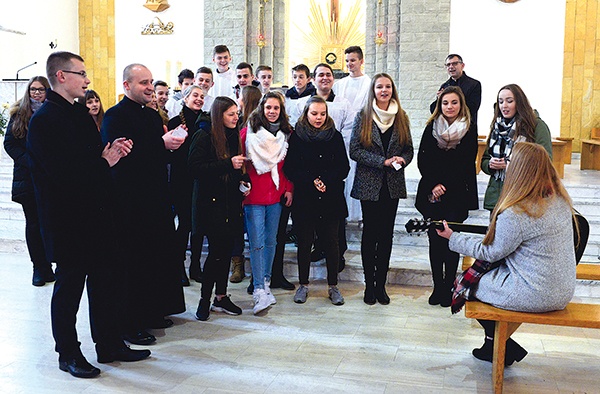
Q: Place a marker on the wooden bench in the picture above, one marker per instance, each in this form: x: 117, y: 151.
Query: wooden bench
x: 481, y: 146
x: 585, y: 271
x: 590, y: 155
x: 558, y: 156
x: 507, y: 322
x: 568, y: 151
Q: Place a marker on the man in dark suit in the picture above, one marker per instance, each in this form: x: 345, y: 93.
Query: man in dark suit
x: 70, y: 171
x: 471, y: 87
x: 152, y: 262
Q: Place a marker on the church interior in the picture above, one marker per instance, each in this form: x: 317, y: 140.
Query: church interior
x: 551, y: 49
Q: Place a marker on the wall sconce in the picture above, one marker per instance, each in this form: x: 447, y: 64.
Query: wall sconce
x: 379, y: 35
x: 261, y: 42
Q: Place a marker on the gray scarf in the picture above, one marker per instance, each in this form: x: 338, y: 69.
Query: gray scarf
x: 310, y: 134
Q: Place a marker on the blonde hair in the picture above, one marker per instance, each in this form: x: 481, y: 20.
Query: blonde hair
x: 464, y: 112
x: 530, y: 185
x: 401, y: 123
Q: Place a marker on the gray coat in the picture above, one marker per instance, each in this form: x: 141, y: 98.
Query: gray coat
x: 369, y: 164
x: 538, y: 274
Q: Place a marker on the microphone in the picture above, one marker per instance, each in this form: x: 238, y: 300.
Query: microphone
x: 23, y: 68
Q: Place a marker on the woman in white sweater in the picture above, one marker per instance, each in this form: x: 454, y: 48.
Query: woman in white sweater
x: 530, y: 239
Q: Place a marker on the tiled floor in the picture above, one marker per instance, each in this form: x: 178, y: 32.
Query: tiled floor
x: 405, y: 347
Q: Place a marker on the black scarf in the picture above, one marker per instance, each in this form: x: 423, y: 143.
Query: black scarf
x: 310, y: 134
x: 502, y: 141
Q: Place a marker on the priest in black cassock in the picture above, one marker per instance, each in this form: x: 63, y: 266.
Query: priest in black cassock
x: 144, y: 212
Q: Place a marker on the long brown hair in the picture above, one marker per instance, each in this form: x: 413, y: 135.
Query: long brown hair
x: 251, y: 96
x: 401, y: 123
x: 530, y: 182
x: 258, y: 119
x: 218, y: 136
x: 21, y: 111
x: 525, y: 117
x: 464, y: 112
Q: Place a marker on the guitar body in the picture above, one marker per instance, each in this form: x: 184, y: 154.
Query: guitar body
x: 416, y: 226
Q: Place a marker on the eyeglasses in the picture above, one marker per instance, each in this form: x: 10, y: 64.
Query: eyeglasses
x: 453, y: 64
x: 82, y: 73
x: 37, y: 90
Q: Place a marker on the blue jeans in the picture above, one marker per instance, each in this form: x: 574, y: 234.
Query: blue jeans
x: 262, y: 222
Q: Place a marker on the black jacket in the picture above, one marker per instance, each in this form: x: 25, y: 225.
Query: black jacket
x: 471, y: 88
x: 22, y: 185
x: 71, y: 179
x: 453, y: 168
x: 217, y: 199
x: 306, y: 161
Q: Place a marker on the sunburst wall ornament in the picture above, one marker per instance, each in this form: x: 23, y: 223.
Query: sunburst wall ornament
x: 330, y: 33
x: 157, y: 5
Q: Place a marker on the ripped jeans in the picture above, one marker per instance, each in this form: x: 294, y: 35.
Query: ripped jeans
x: 262, y: 222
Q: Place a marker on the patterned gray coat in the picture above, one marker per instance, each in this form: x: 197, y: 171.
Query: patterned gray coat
x: 538, y: 274
x: 369, y: 164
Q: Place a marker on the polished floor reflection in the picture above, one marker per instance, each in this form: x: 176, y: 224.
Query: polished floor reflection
x: 405, y: 347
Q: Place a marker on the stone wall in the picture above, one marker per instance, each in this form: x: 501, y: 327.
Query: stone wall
x: 417, y: 41
x: 235, y: 23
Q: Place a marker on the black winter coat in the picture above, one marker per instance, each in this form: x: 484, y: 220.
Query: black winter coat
x: 306, y: 161
x: 453, y: 168
x: 217, y: 198
x: 22, y: 185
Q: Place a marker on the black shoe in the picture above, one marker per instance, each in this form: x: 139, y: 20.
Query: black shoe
x: 435, y: 297
x: 48, y: 275
x: 225, y: 305
x: 317, y: 255
x: 250, y: 288
x: 282, y: 283
x: 369, y: 297
x: 160, y: 323
x: 446, y: 299
x: 141, y: 337
x: 381, y: 295
x: 79, y: 367
x: 120, y: 353
x: 291, y: 238
x: 203, y: 311
x: 38, y: 278
x: 342, y: 264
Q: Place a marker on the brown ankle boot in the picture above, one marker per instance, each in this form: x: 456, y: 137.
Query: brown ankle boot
x: 237, y: 269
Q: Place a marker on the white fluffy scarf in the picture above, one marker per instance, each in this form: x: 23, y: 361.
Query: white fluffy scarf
x: 449, y: 136
x: 265, y: 150
x: 382, y: 118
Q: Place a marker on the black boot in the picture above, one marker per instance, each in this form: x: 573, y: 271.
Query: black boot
x: 485, y: 352
x: 278, y: 280
x: 369, y: 297
x: 514, y: 352
x: 380, y: 279
x: 203, y: 311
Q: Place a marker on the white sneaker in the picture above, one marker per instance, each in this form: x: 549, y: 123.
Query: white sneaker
x: 270, y: 295
x: 261, y: 301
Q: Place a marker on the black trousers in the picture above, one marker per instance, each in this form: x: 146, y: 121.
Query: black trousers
x: 277, y: 272
x: 182, y: 207
x: 443, y: 261
x: 216, y: 266
x: 378, y: 231
x: 326, y: 230
x: 104, y: 299
x: 342, y: 243
x: 33, y: 235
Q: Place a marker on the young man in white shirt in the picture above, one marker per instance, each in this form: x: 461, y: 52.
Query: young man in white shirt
x: 224, y: 79
x: 204, y: 79
x: 174, y: 104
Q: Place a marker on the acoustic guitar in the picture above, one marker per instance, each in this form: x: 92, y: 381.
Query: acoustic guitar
x: 417, y: 226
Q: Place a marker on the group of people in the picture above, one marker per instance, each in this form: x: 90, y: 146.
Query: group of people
x: 100, y: 192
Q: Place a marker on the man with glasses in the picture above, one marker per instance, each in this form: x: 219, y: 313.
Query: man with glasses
x: 471, y: 87
x: 70, y: 169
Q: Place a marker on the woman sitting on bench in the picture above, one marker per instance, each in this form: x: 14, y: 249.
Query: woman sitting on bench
x: 530, y: 238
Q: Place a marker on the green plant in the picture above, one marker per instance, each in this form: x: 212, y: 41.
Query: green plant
x: 3, y: 119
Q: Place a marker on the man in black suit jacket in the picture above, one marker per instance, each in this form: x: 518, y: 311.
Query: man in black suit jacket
x: 471, y: 87
x: 70, y: 172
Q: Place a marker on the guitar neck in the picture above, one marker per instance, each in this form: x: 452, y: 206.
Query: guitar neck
x: 461, y: 227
